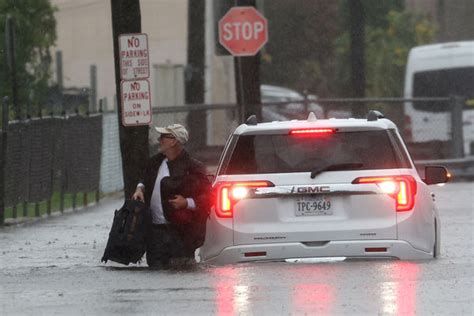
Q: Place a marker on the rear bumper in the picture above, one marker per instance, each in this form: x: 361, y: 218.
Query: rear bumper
x: 353, y: 248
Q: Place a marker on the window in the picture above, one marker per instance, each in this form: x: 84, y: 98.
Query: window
x: 443, y: 83
x: 284, y: 153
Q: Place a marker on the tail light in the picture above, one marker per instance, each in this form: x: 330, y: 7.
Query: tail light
x: 229, y: 193
x: 401, y: 188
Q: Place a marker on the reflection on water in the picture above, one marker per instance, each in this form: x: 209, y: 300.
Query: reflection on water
x: 233, y: 296
x: 398, y: 296
x: 316, y: 295
x: 406, y: 288
x: 225, y: 284
x: 317, y: 289
x: 313, y: 298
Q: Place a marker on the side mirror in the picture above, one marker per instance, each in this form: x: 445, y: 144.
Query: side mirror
x: 436, y: 174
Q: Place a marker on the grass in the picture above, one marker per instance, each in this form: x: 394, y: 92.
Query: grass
x: 31, y: 208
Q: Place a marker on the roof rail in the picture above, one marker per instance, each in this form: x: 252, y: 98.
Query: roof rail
x: 374, y: 115
x: 252, y: 120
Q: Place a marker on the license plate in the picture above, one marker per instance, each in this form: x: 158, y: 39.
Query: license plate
x: 313, y: 206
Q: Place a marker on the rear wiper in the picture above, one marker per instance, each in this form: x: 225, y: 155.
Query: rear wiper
x: 334, y: 167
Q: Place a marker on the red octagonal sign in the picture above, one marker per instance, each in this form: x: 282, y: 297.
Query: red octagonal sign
x: 243, y: 31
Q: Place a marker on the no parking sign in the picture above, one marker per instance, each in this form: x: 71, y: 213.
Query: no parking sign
x: 136, y: 102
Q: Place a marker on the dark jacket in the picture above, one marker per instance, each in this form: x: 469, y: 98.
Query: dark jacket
x: 187, y: 178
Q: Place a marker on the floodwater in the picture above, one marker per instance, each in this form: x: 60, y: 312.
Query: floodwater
x: 53, y: 267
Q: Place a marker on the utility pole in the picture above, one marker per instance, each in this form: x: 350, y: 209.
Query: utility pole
x: 357, y: 31
x: 126, y: 19
x: 208, y: 66
x: 247, y: 79
x: 194, y: 74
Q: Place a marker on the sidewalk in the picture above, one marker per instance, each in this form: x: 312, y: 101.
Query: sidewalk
x: 72, y: 238
x: 53, y: 266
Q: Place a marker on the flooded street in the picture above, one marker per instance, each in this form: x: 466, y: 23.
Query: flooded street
x: 53, y: 267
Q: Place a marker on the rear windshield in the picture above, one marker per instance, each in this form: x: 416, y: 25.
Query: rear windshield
x: 284, y: 153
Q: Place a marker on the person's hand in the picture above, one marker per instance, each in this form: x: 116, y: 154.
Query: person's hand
x: 179, y: 202
x: 138, y: 195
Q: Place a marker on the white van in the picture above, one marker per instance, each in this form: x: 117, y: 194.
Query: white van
x: 439, y: 70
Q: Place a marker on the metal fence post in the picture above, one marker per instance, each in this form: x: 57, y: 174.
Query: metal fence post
x: 3, y: 155
x: 93, y: 90
x: 457, y: 137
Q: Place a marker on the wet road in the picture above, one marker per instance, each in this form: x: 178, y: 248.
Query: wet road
x: 53, y: 267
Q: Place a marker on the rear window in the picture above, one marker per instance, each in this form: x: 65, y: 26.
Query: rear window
x: 284, y: 153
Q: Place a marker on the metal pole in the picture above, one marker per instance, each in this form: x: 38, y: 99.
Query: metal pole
x: 10, y: 39
x: 59, y: 78
x: 74, y: 201
x: 241, y: 91
x: 85, y: 201
x: 59, y: 69
x: 3, y: 155
x: 457, y: 138
x: 248, y: 76
x: 93, y: 89
x: 208, y: 67
x: 37, y: 209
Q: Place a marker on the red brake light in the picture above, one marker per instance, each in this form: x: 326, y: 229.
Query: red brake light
x: 312, y: 131
x: 404, y: 196
x: 229, y: 193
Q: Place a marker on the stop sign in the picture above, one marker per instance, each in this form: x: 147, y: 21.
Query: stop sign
x: 243, y: 31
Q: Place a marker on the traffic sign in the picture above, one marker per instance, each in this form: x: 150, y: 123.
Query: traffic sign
x: 136, y: 102
x: 243, y: 31
x: 134, y: 60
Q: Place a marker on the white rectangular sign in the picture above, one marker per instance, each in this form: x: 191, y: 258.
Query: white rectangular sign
x: 134, y: 60
x: 136, y: 102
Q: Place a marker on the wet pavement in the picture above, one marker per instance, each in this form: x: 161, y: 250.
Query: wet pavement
x: 53, y: 267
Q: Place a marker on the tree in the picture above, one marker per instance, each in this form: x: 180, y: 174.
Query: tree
x: 35, y: 27
x: 300, y: 51
x: 390, y: 33
x: 388, y: 50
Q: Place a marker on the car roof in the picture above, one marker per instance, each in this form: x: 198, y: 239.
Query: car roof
x: 350, y: 124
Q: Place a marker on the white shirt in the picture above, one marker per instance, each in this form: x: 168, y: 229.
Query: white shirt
x: 156, y: 205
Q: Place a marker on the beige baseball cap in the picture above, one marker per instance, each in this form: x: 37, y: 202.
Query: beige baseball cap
x: 177, y: 130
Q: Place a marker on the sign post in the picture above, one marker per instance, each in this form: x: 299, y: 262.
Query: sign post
x: 243, y: 31
x: 134, y: 85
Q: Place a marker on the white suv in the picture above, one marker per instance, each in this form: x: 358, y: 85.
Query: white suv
x: 321, y: 188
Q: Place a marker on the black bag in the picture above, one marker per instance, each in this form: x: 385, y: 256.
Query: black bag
x: 127, y: 236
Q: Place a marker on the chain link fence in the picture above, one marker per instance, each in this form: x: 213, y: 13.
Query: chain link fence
x: 111, y: 176
x: 429, y: 134
x: 41, y: 156
x: 74, y: 154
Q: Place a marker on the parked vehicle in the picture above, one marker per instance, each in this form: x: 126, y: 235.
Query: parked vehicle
x: 321, y: 188
x: 439, y: 70
x: 282, y: 104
